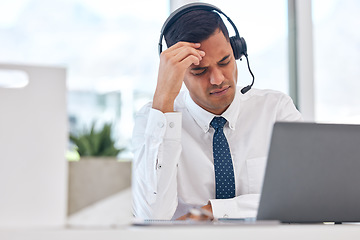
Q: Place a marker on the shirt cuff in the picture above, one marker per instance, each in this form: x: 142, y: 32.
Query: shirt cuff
x: 162, y: 125
x: 223, y: 208
x: 173, y: 128
x: 244, y: 206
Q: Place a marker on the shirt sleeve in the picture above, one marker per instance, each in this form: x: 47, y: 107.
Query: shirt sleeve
x: 157, y: 147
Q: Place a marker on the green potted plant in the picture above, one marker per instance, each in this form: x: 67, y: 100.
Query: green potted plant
x: 94, y: 177
x: 96, y: 143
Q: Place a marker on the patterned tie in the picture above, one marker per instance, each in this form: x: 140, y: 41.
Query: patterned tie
x: 224, y: 172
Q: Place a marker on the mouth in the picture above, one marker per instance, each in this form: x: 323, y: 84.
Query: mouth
x: 219, y: 92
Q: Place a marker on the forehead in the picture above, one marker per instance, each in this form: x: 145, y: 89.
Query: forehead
x: 216, y: 47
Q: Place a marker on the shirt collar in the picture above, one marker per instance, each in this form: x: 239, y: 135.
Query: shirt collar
x: 203, y: 117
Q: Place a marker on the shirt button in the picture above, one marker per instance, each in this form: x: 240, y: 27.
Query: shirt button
x: 160, y: 124
x: 159, y: 166
x: 171, y: 124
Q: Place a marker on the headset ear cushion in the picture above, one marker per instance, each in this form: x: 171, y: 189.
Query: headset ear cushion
x: 239, y: 47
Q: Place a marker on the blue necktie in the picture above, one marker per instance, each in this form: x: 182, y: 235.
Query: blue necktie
x: 224, y: 172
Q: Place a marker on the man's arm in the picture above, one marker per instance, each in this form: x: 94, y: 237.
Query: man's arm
x: 157, y: 149
x: 157, y: 137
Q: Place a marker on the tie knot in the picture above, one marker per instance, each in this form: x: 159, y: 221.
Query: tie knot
x: 218, y: 122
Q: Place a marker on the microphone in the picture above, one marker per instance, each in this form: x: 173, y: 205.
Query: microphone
x: 248, y: 87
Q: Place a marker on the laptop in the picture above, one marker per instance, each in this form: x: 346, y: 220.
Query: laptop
x: 312, y: 174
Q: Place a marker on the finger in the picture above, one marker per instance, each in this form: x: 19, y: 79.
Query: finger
x: 181, y: 50
x: 182, y: 60
x: 188, y: 56
x: 184, y: 217
x: 189, y: 60
x: 179, y: 54
x: 198, y: 215
x: 182, y: 44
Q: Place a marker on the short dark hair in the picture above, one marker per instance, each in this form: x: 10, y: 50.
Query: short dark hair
x: 195, y: 26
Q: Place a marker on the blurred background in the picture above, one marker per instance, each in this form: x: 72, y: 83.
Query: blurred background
x: 109, y: 49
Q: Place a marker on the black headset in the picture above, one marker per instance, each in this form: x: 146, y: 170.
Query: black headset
x: 238, y: 43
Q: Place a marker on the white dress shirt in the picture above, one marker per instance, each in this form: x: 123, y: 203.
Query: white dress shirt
x: 173, y: 166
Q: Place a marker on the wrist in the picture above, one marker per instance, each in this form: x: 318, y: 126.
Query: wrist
x: 163, y: 103
x: 207, y: 207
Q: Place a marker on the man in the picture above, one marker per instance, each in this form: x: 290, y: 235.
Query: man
x: 175, y: 140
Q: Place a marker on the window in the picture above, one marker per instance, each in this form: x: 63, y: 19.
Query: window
x: 108, y: 47
x: 337, y: 60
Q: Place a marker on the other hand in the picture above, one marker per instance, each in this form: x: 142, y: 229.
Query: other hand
x: 203, y: 214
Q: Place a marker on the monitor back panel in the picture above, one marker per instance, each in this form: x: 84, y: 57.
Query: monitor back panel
x: 33, y: 140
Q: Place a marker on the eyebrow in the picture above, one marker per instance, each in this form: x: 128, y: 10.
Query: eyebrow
x: 202, y: 68
x: 224, y: 58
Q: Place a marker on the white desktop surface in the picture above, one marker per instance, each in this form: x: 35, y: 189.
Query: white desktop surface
x: 293, y: 231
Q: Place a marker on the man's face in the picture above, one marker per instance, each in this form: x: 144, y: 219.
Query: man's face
x: 212, y: 83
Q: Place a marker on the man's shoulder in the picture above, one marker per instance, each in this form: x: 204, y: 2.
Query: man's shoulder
x: 265, y: 94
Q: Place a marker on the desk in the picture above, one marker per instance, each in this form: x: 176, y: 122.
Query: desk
x: 246, y: 232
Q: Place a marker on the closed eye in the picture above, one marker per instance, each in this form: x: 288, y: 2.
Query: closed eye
x: 224, y: 64
x: 199, y: 71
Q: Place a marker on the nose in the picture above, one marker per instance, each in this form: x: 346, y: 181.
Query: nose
x: 216, y: 76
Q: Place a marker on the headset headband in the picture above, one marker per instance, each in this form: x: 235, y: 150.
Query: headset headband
x: 188, y: 8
